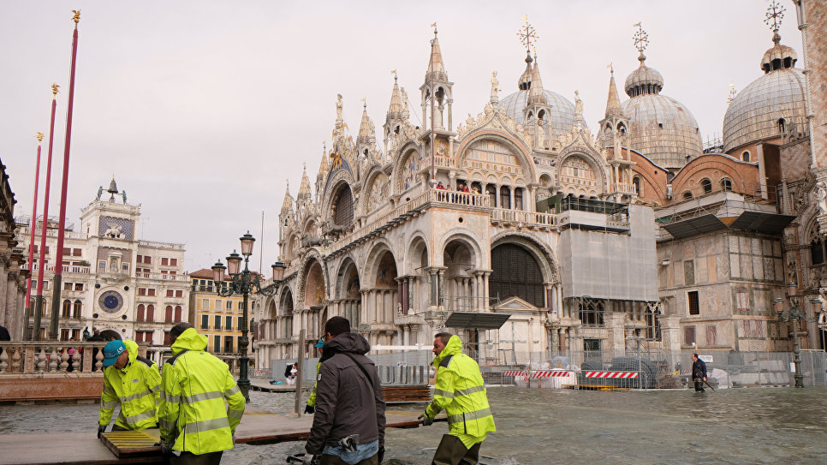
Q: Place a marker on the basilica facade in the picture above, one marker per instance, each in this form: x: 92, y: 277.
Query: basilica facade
x: 583, y: 241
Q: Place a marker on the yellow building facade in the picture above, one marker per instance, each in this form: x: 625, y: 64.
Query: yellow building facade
x: 219, y: 318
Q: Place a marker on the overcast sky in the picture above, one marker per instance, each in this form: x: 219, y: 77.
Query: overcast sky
x: 202, y: 109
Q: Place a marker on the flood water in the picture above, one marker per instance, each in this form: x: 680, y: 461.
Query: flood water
x: 544, y: 426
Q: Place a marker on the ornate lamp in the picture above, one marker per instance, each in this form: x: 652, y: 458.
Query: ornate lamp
x: 218, y: 272
x: 233, y: 263
x: 247, y: 242
x: 278, y: 271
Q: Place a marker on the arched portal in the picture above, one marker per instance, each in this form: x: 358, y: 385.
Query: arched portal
x: 110, y: 335
x: 516, y: 273
x: 459, y: 290
x: 285, y: 327
x: 349, y: 293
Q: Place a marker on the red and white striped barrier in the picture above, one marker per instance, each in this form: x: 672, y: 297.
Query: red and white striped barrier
x: 515, y: 373
x: 550, y: 374
x: 611, y: 374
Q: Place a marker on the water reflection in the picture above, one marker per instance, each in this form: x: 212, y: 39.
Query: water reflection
x: 735, y: 426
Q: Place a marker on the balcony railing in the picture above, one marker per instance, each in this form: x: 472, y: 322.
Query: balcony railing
x: 161, y: 245
x: 164, y: 277
x: 50, y: 357
x: 500, y: 215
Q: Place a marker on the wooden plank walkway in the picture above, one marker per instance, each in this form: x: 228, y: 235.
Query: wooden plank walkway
x: 257, y: 427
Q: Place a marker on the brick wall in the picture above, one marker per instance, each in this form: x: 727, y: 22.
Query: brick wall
x: 795, y: 159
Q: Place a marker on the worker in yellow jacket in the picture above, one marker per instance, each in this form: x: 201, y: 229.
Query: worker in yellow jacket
x: 196, y: 425
x: 132, y: 382
x: 461, y: 392
x: 310, y: 408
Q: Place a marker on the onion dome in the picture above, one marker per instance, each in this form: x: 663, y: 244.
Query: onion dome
x: 770, y: 103
x: 660, y: 127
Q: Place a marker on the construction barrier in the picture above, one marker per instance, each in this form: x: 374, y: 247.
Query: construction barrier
x: 611, y: 374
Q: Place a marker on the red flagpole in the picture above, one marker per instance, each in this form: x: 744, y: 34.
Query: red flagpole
x: 38, y: 298
x: 53, y: 328
x: 32, y: 225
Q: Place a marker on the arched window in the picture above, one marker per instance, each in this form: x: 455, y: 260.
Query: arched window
x: 726, y: 184
x: 505, y: 197
x: 492, y: 195
x: 782, y: 125
x: 591, y: 313
x: 817, y: 251
x: 141, y: 316
x: 67, y: 309
x: 706, y: 185
x: 636, y: 183
x: 343, y: 210
x: 168, y: 314
x: 687, y: 195
x: 177, y: 313
x: 518, y: 199
x: 78, y: 309
x: 150, y: 313
x: 745, y: 156
x: 516, y: 273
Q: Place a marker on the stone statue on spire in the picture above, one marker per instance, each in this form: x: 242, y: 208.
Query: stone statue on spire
x: 495, y: 91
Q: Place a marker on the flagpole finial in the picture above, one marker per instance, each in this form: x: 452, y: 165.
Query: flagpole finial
x: 55, y: 88
x: 76, y: 18
x: 39, y: 137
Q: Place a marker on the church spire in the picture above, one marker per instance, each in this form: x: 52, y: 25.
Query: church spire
x: 287, y: 205
x: 365, y: 126
x: 536, y: 94
x: 612, y: 102
x: 304, y: 187
x: 436, y: 69
x: 396, y: 98
x: 324, y: 166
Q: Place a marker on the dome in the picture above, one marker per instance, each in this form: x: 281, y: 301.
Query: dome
x: 756, y: 113
x: 662, y: 129
x: 641, y: 78
x: 561, y: 113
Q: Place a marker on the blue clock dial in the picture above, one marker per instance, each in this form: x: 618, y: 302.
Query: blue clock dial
x: 111, y: 301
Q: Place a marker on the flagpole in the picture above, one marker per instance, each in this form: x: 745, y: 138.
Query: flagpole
x: 41, y: 263
x: 53, y: 327
x: 32, y: 224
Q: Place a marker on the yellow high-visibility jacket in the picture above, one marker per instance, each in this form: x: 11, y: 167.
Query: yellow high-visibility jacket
x: 461, y: 392
x: 194, y: 386
x: 136, y: 387
x: 311, y: 401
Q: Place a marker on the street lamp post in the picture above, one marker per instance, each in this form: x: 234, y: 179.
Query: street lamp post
x: 245, y: 283
x: 795, y: 314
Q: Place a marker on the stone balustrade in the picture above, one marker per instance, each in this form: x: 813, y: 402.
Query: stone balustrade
x: 21, y: 358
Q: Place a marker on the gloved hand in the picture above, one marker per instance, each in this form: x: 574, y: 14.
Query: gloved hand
x: 381, y: 454
x: 426, y: 420
x: 101, y: 429
x: 309, y: 409
x: 307, y: 459
x: 166, y: 448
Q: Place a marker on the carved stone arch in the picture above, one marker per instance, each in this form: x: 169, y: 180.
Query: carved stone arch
x: 541, y: 252
x: 293, y: 237
x: 364, y: 200
x: 334, y: 184
x: 374, y: 260
x: 311, y: 258
x: 402, y: 168
x: 463, y: 236
x: 344, y: 274
x: 287, y: 300
x: 518, y: 149
x: 596, y: 162
x: 417, y: 244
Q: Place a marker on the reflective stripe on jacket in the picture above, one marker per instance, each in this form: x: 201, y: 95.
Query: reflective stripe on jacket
x: 135, y: 388
x: 461, y: 392
x: 311, y: 401
x: 194, y: 386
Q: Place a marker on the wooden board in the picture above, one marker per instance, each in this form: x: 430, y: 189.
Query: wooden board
x: 405, y: 394
x: 53, y: 448
x: 131, y: 443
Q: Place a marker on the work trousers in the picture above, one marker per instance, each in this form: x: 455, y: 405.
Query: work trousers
x: 699, y: 385
x: 188, y: 458
x: 452, y: 451
x: 336, y: 460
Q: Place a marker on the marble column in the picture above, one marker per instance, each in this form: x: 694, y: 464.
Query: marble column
x: 11, y: 300
x: 4, y: 284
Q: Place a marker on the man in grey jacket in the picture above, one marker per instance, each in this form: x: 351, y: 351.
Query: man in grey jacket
x: 349, y: 424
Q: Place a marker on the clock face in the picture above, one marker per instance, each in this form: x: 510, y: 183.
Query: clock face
x: 111, y: 301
